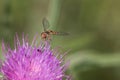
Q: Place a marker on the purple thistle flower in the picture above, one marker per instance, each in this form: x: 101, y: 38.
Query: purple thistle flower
x: 32, y: 62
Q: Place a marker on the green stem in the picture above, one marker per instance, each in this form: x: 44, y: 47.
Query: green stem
x: 54, y: 10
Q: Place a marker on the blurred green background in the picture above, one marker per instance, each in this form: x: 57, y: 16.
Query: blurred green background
x: 94, y: 27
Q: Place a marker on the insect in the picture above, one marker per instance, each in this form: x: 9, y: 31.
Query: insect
x: 46, y: 35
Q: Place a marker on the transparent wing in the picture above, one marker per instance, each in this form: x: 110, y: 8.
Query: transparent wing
x: 45, y: 23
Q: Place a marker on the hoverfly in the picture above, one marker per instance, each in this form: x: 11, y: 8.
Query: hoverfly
x: 46, y: 35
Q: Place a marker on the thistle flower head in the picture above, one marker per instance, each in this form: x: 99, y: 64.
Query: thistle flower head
x: 32, y: 62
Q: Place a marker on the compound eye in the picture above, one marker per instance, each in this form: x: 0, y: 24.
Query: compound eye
x: 43, y: 35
